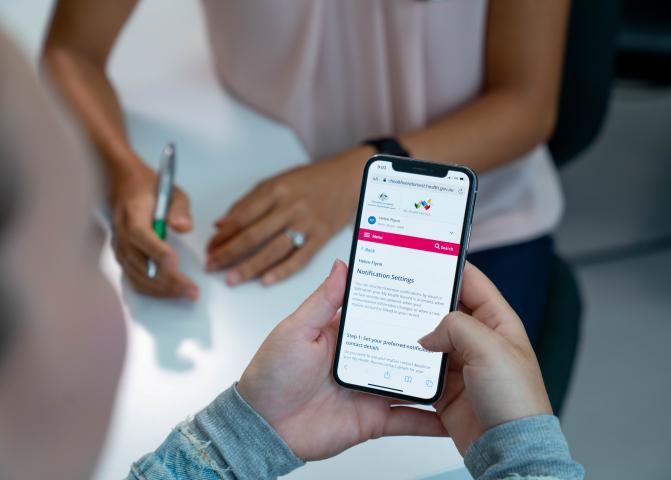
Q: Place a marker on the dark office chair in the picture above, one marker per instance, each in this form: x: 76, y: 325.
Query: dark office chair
x: 644, y: 41
x: 588, y: 74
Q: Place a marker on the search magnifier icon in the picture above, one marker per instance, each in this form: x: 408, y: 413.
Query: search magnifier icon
x: 436, y: 246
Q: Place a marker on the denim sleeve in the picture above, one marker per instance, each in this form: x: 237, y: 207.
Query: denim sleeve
x: 526, y: 449
x: 227, y: 440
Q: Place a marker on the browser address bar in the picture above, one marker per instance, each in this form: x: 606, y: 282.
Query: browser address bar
x: 402, y: 182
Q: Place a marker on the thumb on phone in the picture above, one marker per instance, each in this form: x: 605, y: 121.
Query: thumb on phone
x: 179, y: 215
x: 462, y: 333
x: 320, y: 307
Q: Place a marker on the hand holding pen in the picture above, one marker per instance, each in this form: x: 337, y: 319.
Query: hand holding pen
x: 137, y: 238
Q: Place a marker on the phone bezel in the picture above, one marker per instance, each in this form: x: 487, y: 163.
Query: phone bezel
x: 419, y: 167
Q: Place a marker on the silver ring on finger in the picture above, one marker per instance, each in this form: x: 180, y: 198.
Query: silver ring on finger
x: 297, y: 237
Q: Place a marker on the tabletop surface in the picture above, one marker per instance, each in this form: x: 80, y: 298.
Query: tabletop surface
x: 181, y: 354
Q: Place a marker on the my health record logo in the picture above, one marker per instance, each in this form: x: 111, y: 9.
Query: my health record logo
x: 425, y: 204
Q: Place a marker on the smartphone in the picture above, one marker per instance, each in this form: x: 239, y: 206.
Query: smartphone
x: 408, y: 252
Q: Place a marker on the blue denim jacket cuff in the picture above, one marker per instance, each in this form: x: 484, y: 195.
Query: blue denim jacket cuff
x: 243, y: 439
x: 528, y: 447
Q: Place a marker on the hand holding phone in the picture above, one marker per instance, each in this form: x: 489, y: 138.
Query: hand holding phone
x: 289, y: 383
x: 493, y: 376
x: 408, y: 251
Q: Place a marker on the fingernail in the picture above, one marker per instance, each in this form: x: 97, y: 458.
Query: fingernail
x: 268, y: 279
x: 191, y: 292
x: 333, y: 267
x: 233, y: 278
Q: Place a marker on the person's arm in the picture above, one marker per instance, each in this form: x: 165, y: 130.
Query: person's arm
x: 526, y: 449
x: 227, y: 440
x: 80, y: 39
x: 517, y: 108
x: 230, y: 440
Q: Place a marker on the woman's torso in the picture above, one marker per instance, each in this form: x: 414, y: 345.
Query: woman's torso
x: 341, y: 71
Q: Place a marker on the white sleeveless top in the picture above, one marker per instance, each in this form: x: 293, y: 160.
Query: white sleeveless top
x: 342, y: 71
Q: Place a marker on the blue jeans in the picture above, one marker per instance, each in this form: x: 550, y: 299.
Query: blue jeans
x: 522, y: 274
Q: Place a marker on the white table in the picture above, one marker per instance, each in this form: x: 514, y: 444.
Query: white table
x: 181, y: 355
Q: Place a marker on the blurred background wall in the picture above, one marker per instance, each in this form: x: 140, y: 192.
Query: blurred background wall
x: 617, y: 234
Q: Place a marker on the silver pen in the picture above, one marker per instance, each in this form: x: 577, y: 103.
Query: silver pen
x: 166, y: 180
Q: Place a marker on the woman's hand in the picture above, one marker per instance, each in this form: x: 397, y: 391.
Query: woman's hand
x: 316, y: 200
x: 493, y: 375
x: 132, y: 199
x: 289, y: 383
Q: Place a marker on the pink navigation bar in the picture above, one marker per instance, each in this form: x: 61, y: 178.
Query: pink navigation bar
x: 416, y: 243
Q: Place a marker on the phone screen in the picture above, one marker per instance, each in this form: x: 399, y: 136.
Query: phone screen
x: 407, y: 256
